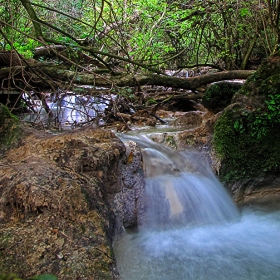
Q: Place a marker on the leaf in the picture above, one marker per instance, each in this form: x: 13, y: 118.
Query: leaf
x: 236, y: 125
x: 245, y: 12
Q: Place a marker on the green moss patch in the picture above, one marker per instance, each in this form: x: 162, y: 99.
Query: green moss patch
x: 246, y: 147
x: 219, y: 95
x: 9, y: 128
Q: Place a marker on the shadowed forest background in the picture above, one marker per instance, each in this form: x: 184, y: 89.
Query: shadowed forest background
x: 50, y: 47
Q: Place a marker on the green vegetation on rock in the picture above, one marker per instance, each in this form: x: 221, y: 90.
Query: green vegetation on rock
x: 246, y: 146
x: 219, y: 95
x: 9, y: 129
x: 247, y: 134
x: 15, y: 277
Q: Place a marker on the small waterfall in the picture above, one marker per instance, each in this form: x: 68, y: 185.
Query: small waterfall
x: 187, y: 199
x: 192, y: 229
x: 181, y: 189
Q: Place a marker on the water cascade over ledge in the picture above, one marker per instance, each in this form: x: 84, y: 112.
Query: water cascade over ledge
x: 191, y: 228
x: 181, y: 189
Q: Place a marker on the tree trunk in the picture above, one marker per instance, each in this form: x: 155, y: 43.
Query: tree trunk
x: 48, y: 75
x: 139, y: 80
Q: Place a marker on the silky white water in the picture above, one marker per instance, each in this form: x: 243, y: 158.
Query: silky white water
x: 244, y: 249
x: 192, y: 229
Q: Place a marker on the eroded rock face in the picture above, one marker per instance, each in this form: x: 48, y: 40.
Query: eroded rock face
x: 262, y: 190
x: 62, y: 199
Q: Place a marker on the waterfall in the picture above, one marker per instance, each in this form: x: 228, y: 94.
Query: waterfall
x: 181, y: 189
x: 192, y: 229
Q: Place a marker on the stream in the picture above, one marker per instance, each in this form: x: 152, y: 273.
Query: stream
x: 192, y: 229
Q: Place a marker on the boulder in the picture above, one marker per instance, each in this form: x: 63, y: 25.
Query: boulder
x: 63, y: 199
x: 247, y: 136
x: 218, y: 96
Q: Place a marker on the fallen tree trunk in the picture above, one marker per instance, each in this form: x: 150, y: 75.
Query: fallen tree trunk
x: 63, y: 76
x: 191, y: 83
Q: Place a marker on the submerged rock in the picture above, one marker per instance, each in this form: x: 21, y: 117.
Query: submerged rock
x: 62, y: 200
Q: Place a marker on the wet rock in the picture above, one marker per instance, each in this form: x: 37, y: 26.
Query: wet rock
x: 195, y: 131
x: 128, y: 202
x: 188, y: 120
x: 260, y: 191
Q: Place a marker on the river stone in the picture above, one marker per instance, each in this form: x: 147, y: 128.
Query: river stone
x: 58, y: 210
x: 188, y: 120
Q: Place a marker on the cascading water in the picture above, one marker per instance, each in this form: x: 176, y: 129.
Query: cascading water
x: 192, y: 229
x: 181, y: 191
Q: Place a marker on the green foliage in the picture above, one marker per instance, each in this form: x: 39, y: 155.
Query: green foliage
x: 152, y: 101
x: 165, y: 34
x: 245, y: 12
x: 259, y: 122
x: 126, y: 93
x: 248, y: 142
x: 24, y: 46
x: 40, y: 277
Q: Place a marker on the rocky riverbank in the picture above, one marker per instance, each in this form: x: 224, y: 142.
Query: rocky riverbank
x: 62, y: 200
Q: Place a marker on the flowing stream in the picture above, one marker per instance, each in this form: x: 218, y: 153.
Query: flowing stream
x: 192, y: 229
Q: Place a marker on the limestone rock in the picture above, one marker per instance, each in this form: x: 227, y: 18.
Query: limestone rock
x: 57, y: 203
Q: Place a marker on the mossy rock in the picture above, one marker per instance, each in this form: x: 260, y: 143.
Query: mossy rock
x: 219, y: 95
x: 9, y: 128
x: 243, y: 154
x: 247, y: 134
x: 15, y: 277
x: 265, y: 79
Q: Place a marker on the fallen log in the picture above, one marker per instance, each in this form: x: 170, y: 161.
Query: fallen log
x: 59, y: 73
x: 191, y: 83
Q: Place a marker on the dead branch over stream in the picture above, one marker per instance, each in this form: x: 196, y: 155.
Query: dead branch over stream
x: 39, y: 77
x: 62, y: 75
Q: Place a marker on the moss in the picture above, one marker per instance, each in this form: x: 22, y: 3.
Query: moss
x: 9, y: 128
x: 247, y: 134
x: 243, y: 153
x: 270, y: 85
x: 171, y: 142
x: 40, y: 277
x: 219, y: 95
x: 267, y: 75
x: 9, y: 277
